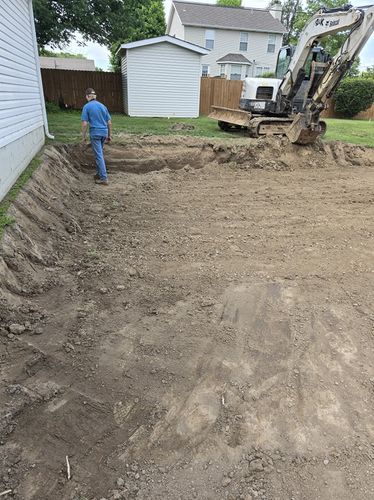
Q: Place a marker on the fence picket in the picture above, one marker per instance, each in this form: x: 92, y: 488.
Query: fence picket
x: 69, y: 86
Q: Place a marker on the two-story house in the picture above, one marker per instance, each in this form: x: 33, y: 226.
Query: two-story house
x: 242, y: 41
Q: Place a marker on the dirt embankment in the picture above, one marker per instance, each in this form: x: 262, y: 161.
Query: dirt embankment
x: 200, y: 328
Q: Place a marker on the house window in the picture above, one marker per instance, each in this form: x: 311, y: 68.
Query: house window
x: 236, y: 72
x: 209, y: 39
x: 260, y: 70
x: 205, y: 70
x: 243, y: 46
x: 222, y: 70
x: 271, y: 43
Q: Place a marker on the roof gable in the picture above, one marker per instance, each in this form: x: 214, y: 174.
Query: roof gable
x: 217, y: 16
x: 165, y: 39
x: 234, y: 58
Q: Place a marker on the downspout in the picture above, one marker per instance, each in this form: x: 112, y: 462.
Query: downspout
x: 39, y: 75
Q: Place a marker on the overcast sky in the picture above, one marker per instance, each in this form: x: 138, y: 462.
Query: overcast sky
x: 101, y: 55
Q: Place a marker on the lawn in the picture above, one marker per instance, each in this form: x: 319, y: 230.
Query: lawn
x: 65, y: 126
x: 353, y: 131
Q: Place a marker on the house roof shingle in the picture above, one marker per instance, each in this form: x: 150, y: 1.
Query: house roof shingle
x: 216, y: 16
x: 234, y: 58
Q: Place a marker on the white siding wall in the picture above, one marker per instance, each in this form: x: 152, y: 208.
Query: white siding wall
x: 21, y: 112
x: 124, y: 83
x: 227, y: 41
x: 163, y: 80
x: 176, y: 27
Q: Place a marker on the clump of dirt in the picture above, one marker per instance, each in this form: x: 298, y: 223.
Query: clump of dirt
x: 199, y: 328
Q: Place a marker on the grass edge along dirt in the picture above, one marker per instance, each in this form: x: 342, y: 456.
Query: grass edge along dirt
x: 66, y: 127
x: 5, y: 219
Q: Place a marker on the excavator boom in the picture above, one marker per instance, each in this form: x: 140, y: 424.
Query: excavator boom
x: 306, y: 126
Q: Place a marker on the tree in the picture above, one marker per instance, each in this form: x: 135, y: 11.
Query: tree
x: 148, y: 21
x: 368, y: 73
x: 291, y: 10
x: 57, y: 21
x: 230, y: 3
x: 331, y: 43
x: 102, y: 21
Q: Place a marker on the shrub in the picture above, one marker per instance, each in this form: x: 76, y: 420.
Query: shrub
x: 52, y: 107
x: 268, y: 74
x: 354, y: 95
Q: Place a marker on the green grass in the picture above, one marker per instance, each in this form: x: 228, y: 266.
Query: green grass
x: 5, y: 219
x: 353, y: 131
x: 66, y: 128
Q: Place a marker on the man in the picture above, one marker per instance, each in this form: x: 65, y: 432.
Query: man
x: 97, y: 115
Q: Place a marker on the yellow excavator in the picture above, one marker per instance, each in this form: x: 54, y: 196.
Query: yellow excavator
x: 306, y: 77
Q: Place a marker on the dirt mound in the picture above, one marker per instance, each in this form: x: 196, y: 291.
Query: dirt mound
x: 200, y: 328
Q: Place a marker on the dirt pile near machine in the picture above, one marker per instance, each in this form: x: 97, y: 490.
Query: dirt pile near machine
x: 200, y: 328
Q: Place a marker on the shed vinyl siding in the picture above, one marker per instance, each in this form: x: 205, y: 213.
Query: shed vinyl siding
x: 21, y: 102
x: 124, y: 83
x: 228, y: 42
x: 163, y: 80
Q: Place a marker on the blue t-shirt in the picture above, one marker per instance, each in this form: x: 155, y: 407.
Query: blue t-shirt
x: 97, y: 115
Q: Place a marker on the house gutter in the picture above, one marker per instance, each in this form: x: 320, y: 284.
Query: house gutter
x: 39, y: 75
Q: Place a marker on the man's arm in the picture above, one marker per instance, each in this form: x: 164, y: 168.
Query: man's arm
x: 110, y: 128
x: 84, y: 130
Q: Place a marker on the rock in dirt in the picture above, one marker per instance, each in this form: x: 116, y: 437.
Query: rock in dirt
x: 16, y: 329
x: 226, y: 481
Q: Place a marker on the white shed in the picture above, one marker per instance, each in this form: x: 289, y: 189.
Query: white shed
x: 161, y: 77
x: 23, y: 119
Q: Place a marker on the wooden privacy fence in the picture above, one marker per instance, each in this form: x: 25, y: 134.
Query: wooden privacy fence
x: 219, y: 92
x: 226, y: 93
x: 67, y: 88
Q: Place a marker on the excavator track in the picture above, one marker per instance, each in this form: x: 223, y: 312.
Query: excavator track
x: 266, y: 125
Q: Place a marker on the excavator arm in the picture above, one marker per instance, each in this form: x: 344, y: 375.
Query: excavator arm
x: 360, y: 21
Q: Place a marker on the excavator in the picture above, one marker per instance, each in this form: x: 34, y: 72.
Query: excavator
x: 306, y: 77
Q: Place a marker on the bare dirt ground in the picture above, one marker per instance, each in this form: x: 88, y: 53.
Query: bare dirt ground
x: 203, y: 327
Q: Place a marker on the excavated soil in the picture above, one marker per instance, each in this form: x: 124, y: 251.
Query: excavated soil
x: 203, y: 327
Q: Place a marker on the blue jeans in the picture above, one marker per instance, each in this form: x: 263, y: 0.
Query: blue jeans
x: 97, y: 143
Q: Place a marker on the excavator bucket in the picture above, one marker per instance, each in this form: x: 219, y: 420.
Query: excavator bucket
x: 300, y: 133
x: 230, y: 116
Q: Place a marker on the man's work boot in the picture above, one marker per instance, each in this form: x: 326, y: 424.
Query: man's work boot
x: 102, y: 181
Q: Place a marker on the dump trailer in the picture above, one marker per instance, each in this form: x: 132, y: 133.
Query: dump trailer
x: 306, y: 77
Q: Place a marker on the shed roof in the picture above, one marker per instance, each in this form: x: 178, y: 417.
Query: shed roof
x: 234, y: 58
x: 167, y: 39
x: 217, y: 16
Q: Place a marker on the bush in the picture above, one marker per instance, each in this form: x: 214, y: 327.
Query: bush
x: 52, y: 107
x: 268, y: 74
x: 354, y: 95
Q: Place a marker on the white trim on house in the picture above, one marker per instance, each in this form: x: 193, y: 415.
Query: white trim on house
x: 171, y: 15
x: 37, y: 64
x: 165, y: 38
